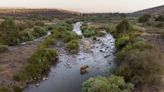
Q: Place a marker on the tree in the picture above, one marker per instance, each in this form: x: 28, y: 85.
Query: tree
x: 123, y: 28
x: 145, y: 18
x: 110, y: 84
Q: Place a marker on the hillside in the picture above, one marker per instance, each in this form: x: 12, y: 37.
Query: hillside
x: 28, y: 12
x: 154, y: 11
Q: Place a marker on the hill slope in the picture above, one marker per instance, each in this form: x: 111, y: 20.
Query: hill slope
x: 155, y: 10
x: 27, y: 12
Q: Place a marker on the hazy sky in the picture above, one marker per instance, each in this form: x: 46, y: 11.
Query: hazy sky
x: 85, y: 5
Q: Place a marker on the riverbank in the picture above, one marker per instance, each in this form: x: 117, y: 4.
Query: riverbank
x: 97, y: 54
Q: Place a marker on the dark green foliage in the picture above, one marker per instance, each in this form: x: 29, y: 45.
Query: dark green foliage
x: 69, y: 21
x: 89, y: 32
x: 145, y: 18
x: 63, y: 27
x: 47, y: 42
x: 73, y: 46
x: 29, y: 23
x: 9, y: 32
x: 69, y: 35
x: 57, y: 34
x: 110, y: 84
x: 26, y: 35
x: 3, y: 48
x: 38, y: 32
x: 160, y: 18
x: 140, y: 67
x: 137, y: 61
x: 122, y: 41
x: 39, y: 23
x: 123, y: 27
x: 39, y: 62
x: 4, y: 89
x: 22, y: 25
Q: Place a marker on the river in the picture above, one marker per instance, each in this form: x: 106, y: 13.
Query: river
x: 65, y: 76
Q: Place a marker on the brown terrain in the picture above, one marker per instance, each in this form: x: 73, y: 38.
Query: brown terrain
x: 155, y: 38
x: 13, y: 61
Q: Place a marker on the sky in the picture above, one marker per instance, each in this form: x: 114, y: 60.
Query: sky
x: 123, y: 6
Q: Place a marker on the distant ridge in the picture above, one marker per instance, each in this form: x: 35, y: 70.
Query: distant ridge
x: 154, y: 11
x: 28, y: 12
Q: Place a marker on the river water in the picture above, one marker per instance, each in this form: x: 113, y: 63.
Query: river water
x: 65, y: 76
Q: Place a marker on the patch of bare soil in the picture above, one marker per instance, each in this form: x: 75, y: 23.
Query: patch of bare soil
x: 13, y: 61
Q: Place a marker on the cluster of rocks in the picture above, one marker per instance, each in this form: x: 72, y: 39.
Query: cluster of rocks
x: 105, y: 45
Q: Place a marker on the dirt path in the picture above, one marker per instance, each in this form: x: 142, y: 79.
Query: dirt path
x: 13, y: 60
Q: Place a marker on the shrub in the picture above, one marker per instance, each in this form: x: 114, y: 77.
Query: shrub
x: 69, y: 35
x: 122, y: 41
x: 38, y: 32
x: 26, y: 35
x: 144, y: 18
x: 63, y: 27
x: 39, y: 62
x: 57, y: 34
x: 29, y: 23
x: 110, y: 84
x: 9, y: 32
x: 123, y: 28
x: 137, y: 61
x: 73, y: 46
x: 39, y: 23
x: 160, y: 18
x: 47, y: 42
x: 89, y: 33
x: 140, y: 67
x: 3, y: 48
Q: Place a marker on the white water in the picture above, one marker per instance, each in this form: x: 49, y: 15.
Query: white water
x: 76, y: 28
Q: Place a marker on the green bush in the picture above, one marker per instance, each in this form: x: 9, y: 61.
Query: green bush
x: 3, y: 48
x: 89, y: 33
x: 160, y: 18
x: 140, y: 67
x: 26, y: 35
x: 47, y: 42
x: 69, y: 35
x: 73, y: 46
x: 123, y: 28
x: 39, y: 62
x: 38, y: 32
x: 57, y: 34
x: 110, y: 84
x: 63, y: 27
x: 9, y: 32
x: 144, y: 18
x: 29, y: 23
x: 39, y: 23
x: 137, y: 61
x: 122, y: 41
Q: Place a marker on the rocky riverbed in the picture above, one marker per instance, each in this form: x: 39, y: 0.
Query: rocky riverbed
x: 66, y: 77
